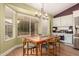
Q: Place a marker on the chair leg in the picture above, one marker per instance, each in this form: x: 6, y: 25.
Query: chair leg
x: 27, y: 51
x: 53, y: 49
x: 24, y: 51
x: 31, y: 51
x: 37, y: 50
x: 48, y: 51
x: 59, y: 48
x: 41, y: 49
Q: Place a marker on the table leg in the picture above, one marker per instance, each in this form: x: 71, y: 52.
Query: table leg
x: 37, y: 50
x: 41, y: 48
x: 31, y: 51
x: 23, y: 52
x: 27, y: 48
x: 59, y: 48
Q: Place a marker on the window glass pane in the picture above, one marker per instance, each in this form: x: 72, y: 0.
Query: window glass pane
x: 8, y: 22
x: 26, y: 24
x: 23, y: 24
x: 34, y: 25
x: 8, y: 29
x: 32, y: 28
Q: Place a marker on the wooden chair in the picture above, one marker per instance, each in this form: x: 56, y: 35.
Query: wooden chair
x: 28, y: 46
x: 58, y: 44
x: 53, y: 45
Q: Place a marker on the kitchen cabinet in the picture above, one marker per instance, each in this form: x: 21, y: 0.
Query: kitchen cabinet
x: 67, y: 20
x: 76, y: 21
x: 76, y: 13
x: 56, y: 22
x: 68, y: 38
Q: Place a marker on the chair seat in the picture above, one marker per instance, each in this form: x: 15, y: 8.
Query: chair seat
x: 46, y: 46
x: 51, y: 46
x: 30, y: 46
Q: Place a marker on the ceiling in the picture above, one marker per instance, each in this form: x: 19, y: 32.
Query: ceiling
x: 52, y: 8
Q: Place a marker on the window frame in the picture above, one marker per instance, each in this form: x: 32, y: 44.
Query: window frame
x: 30, y: 20
x: 13, y: 23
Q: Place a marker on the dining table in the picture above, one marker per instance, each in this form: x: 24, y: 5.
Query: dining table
x: 38, y: 40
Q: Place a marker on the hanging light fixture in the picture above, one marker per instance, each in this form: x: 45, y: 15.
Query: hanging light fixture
x: 42, y: 14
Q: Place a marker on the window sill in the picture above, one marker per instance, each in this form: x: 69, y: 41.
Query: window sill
x: 21, y: 36
x: 9, y: 39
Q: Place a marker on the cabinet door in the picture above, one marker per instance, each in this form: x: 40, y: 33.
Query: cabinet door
x: 63, y: 21
x: 76, y: 13
x: 56, y: 21
x: 68, y: 38
x: 67, y: 20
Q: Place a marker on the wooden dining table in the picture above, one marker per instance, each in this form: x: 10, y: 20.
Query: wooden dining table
x: 38, y: 40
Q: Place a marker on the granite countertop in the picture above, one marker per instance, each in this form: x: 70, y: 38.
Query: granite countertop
x: 63, y: 32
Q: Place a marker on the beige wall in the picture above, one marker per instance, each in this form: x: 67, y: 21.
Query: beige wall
x: 5, y: 45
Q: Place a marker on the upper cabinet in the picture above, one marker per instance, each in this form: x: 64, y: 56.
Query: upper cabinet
x: 63, y: 21
x: 76, y: 21
x: 76, y: 13
x: 67, y: 20
x: 56, y: 22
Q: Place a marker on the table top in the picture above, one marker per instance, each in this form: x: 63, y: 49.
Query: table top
x: 38, y: 38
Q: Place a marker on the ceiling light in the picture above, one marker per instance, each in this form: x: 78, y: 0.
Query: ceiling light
x: 42, y: 14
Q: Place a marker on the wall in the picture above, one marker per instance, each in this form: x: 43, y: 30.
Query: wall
x: 5, y: 45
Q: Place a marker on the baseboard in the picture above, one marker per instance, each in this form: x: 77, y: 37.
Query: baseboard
x: 71, y: 45
x: 11, y: 49
x: 67, y: 44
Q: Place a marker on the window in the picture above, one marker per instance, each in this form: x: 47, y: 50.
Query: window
x: 23, y: 24
x: 26, y: 24
x: 34, y: 25
x: 23, y: 27
x: 9, y: 16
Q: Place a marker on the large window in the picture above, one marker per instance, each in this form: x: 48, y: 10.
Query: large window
x: 27, y: 24
x: 9, y: 14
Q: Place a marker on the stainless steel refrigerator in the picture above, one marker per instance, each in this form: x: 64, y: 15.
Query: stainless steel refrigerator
x: 76, y: 33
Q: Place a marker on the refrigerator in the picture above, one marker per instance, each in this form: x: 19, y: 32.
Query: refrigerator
x: 76, y: 33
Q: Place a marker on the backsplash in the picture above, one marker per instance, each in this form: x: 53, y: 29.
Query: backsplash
x: 64, y: 29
